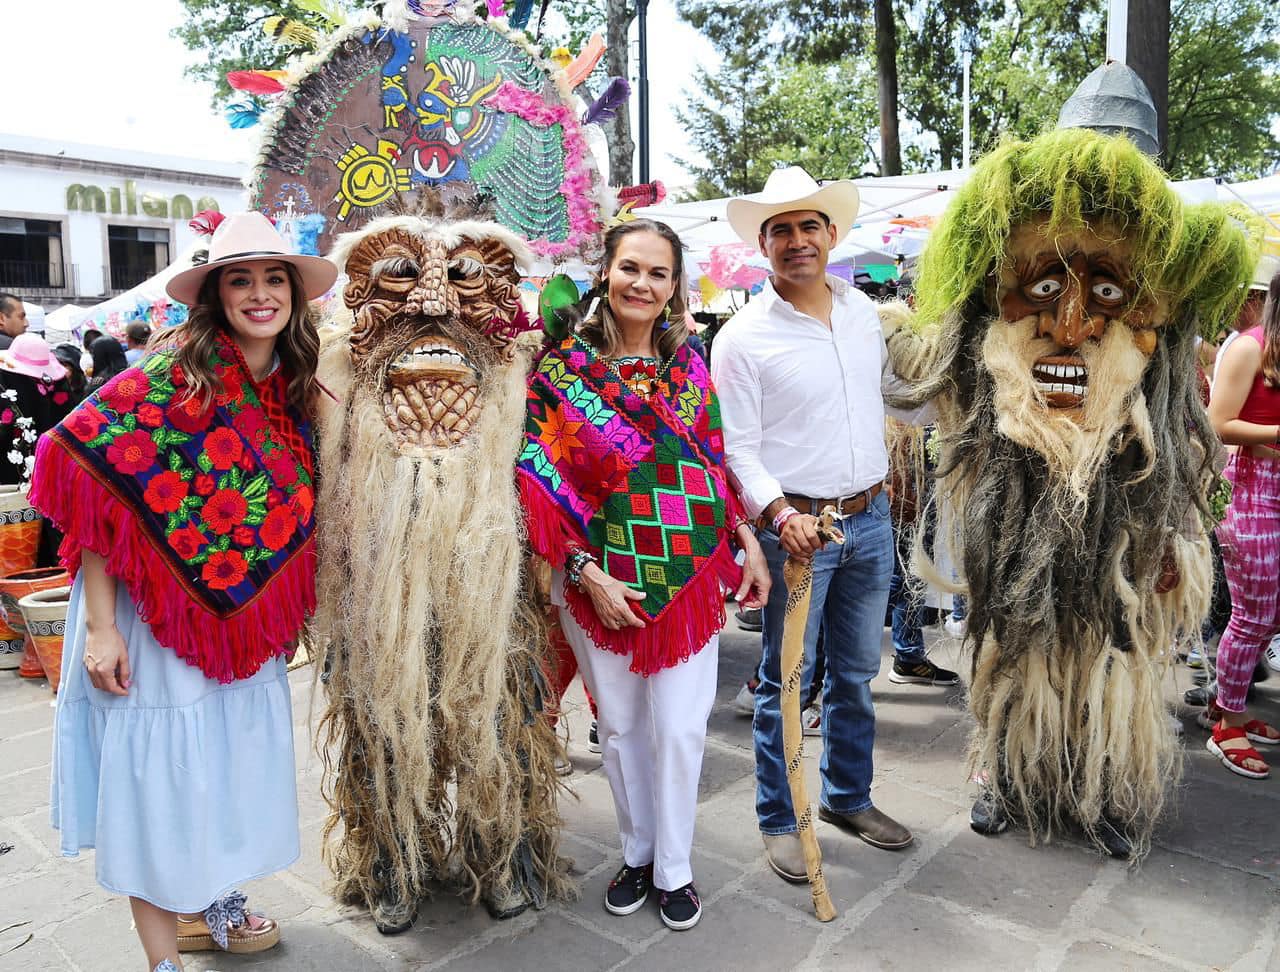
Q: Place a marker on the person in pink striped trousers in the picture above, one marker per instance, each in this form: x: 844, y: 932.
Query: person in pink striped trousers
x: 1245, y: 412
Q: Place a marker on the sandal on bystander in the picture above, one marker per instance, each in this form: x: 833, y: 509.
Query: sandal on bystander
x: 1236, y: 757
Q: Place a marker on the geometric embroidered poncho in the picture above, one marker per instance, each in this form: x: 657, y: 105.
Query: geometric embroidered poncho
x: 641, y: 484
x: 205, y: 515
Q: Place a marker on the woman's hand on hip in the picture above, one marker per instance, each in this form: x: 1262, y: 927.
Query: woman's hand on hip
x: 753, y: 592
x: 106, y: 659
x: 611, y: 599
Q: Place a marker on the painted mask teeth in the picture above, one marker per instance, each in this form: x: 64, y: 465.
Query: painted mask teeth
x: 434, y: 355
x: 1064, y: 377
x: 431, y: 356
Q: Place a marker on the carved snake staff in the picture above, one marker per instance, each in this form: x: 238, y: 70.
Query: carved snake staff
x: 798, y: 575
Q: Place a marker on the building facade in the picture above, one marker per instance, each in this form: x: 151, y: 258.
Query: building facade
x: 81, y: 223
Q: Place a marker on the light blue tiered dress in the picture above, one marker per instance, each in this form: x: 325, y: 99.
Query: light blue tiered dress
x: 185, y: 787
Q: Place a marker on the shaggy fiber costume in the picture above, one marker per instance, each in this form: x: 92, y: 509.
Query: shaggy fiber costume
x: 444, y: 762
x: 1059, y: 299
x: 441, y: 761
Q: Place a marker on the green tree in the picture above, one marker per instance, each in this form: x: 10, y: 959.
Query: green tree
x: 1028, y: 56
x: 228, y: 35
x: 1224, y: 90
x: 753, y: 116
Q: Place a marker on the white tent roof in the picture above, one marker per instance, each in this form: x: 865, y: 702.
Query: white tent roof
x: 703, y: 225
x: 874, y: 239
x: 151, y: 290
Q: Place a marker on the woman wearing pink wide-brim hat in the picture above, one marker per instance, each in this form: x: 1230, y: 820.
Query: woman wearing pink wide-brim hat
x: 185, y: 488
x: 30, y: 355
x: 33, y: 387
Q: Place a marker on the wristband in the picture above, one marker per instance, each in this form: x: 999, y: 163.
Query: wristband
x: 784, y: 514
x: 574, y: 564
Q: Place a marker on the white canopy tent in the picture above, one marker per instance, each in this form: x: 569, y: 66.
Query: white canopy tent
x: 145, y: 302
x: 896, y: 212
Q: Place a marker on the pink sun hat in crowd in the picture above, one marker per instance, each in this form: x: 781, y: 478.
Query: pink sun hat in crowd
x: 29, y: 355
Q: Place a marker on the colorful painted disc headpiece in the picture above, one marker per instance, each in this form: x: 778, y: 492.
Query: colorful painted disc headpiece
x: 456, y: 105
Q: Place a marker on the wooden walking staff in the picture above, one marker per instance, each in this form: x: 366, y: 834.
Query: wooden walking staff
x: 798, y: 575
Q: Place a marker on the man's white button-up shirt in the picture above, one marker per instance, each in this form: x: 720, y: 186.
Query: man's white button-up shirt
x: 802, y: 405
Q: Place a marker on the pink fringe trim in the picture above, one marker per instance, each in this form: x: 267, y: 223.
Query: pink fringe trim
x: 680, y: 629
x: 223, y: 648
x: 577, y: 185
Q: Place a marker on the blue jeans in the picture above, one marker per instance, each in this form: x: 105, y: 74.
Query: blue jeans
x: 906, y: 595
x: 850, y: 593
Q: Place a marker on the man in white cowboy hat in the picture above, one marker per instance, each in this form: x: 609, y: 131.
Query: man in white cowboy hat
x: 799, y: 371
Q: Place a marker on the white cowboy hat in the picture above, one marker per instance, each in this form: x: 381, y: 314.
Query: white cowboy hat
x: 1268, y: 266
x: 243, y: 237
x: 787, y: 191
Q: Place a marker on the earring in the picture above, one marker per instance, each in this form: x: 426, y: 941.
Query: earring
x: 666, y: 318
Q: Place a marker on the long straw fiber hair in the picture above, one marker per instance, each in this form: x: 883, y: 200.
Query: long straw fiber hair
x: 1062, y: 551
x: 439, y: 760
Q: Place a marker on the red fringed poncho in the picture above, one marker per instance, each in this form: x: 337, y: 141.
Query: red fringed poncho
x: 205, y: 515
x: 641, y: 484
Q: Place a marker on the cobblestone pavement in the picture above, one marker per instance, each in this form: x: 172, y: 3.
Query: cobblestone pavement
x: 1206, y: 897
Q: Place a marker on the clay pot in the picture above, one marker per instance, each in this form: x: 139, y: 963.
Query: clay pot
x: 13, y: 587
x: 19, y: 540
x: 45, y: 613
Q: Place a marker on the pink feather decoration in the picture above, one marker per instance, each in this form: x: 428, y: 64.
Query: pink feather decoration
x: 497, y: 8
x: 206, y: 221
x: 585, y: 62
x: 255, y: 82
x: 577, y: 185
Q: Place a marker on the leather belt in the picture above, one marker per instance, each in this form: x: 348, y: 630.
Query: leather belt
x: 845, y: 505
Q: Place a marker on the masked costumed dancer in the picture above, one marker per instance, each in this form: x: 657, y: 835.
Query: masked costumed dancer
x: 1057, y: 307
x: 622, y: 477
x: 184, y: 490
x: 462, y: 157
x: 445, y: 771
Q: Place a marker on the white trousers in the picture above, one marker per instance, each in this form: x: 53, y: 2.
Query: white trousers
x: 652, y: 733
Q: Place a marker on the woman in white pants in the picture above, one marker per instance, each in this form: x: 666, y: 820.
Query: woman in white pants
x: 623, y: 482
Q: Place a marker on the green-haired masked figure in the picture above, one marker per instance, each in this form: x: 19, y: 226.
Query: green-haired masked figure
x: 1057, y: 307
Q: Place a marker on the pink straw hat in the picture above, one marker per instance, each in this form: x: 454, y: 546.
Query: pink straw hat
x: 245, y: 238
x: 29, y: 355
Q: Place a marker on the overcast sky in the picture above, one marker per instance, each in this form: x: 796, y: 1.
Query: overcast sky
x: 109, y: 74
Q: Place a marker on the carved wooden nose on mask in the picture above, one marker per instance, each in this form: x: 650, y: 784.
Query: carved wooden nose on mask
x: 1070, y: 324
x: 430, y: 297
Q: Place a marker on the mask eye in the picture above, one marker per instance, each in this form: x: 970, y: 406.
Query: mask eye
x: 397, y: 273
x: 465, y: 268
x: 1108, y: 291
x: 1045, y: 289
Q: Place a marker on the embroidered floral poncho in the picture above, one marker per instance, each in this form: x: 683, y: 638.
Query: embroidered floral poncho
x: 641, y: 484
x: 205, y: 515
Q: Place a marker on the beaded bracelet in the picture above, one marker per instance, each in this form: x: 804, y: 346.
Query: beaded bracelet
x: 784, y: 514
x: 574, y: 565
